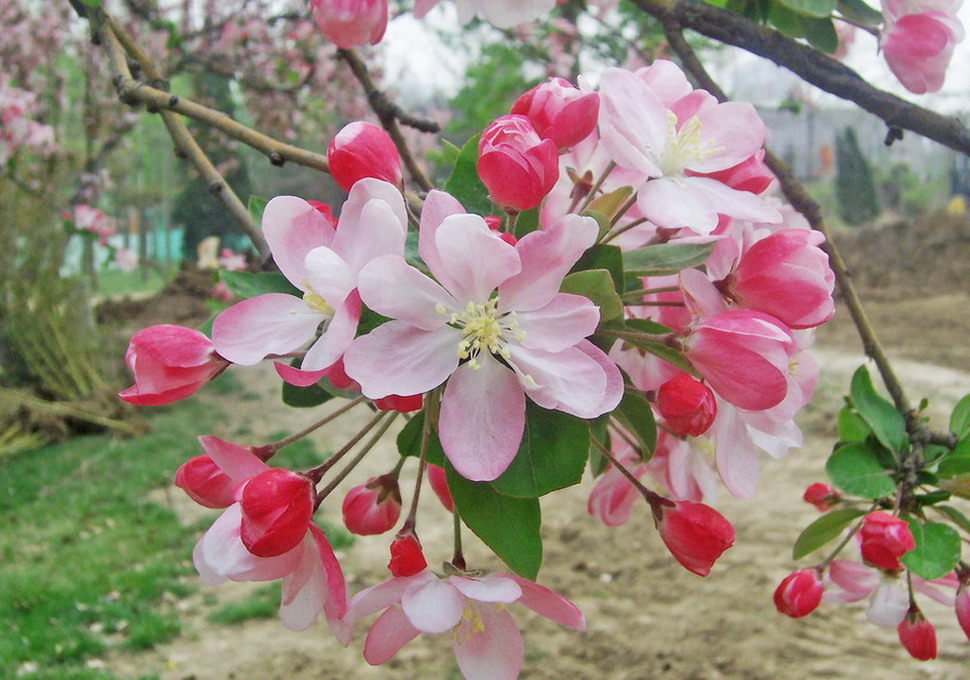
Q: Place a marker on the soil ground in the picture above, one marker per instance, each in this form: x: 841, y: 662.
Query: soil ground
x: 647, y: 617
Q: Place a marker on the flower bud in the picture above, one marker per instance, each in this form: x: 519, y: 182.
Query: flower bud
x: 559, y: 111
x: 962, y: 606
x: 822, y: 496
x: 351, y: 23
x: 917, y: 635
x: 439, y: 484
x: 799, y: 593
x: 885, y: 539
x: 694, y: 533
x: 362, y: 150
x: 169, y: 363
x: 407, y: 558
x: 687, y: 405
x: 277, y: 506
x: 400, y: 404
x: 516, y: 166
x: 206, y: 483
x: 372, y: 508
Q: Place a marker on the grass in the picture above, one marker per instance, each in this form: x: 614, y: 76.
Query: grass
x: 262, y: 604
x: 115, y: 283
x: 87, y: 558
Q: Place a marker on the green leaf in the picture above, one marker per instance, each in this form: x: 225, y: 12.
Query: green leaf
x: 305, y: 397
x: 852, y: 428
x: 786, y: 21
x: 248, y: 284
x: 820, y: 33
x: 597, y: 285
x: 448, y: 154
x: 464, y: 183
x: 635, y: 414
x: 411, y: 250
x: 823, y: 530
x: 609, y: 204
x: 609, y: 258
x: 369, y: 320
x: 637, y: 333
x: 508, y: 525
x: 856, y: 470
x: 937, y: 549
x: 526, y: 222
x: 812, y: 8
x: 958, y: 517
x: 665, y: 258
x: 552, y: 455
x: 599, y: 430
x: 409, y: 441
x: 957, y: 462
x: 602, y: 222
x: 886, y: 422
x: 960, y: 418
x: 256, y: 207
x: 860, y: 12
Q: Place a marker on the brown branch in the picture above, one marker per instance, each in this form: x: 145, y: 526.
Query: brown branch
x: 389, y: 114
x: 807, y: 206
x: 118, y: 42
x: 811, y: 65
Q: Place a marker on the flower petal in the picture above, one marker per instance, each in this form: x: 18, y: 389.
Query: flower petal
x: 493, y: 588
x: 492, y: 650
x: 238, y: 462
x: 392, y: 287
x: 373, y: 223
x: 336, y: 338
x: 293, y: 228
x: 474, y: 260
x: 570, y: 380
x: 388, y: 635
x: 275, y: 323
x: 433, y: 606
x: 549, y: 604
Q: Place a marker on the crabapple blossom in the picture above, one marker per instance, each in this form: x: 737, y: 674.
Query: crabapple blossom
x: 694, y: 533
x: 407, y: 557
x: 362, y: 150
x: 372, y: 508
x: 884, y: 539
x: 324, y: 263
x: 687, y: 406
x: 439, y: 484
x: 917, y: 635
x: 750, y: 175
x: 485, y: 638
x: 206, y: 483
x: 799, y: 593
x: 559, y: 111
x: 349, y: 23
x: 961, y: 605
x: 276, y: 506
x: 516, y: 166
x: 918, y: 40
x: 490, y: 350
x: 822, y: 496
x: 126, y: 260
x: 169, y: 363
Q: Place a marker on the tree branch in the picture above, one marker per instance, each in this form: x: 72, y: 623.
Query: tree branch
x: 812, y: 66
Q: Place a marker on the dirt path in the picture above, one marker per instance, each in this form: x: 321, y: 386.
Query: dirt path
x: 648, y: 618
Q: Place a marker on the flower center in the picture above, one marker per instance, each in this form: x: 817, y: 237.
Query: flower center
x: 484, y: 328
x: 316, y: 302
x: 684, y: 146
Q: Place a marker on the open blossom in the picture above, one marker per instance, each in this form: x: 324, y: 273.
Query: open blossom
x: 169, y: 363
x: 918, y: 40
x: 362, y: 150
x: 324, y: 263
x: 493, y: 327
x: 350, y: 23
x: 559, y: 111
x: 517, y: 166
x: 500, y: 13
x: 485, y: 638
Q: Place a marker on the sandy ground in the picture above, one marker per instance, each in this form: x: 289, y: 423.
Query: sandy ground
x: 647, y: 617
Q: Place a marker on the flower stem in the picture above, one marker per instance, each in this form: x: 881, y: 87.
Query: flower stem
x: 458, y: 561
x: 317, y: 473
x: 613, y: 234
x: 596, y: 187
x: 359, y: 457
x: 654, y: 499
x: 274, y: 447
x: 845, y: 541
x: 430, y: 414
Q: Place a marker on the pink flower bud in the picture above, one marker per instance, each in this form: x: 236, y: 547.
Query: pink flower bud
x: 822, y: 496
x: 169, y: 363
x: 687, y: 405
x: 439, y: 484
x: 350, y: 23
x: 788, y: 276
x: 962, y: 607
x: 748, y: 175
x: 799, y: 593
x: 362, y: 150
x: 372, y: 508
x: 885, y: 539
x: 918, y: 45
x: 516, y: 166
x: 917, y: 635
x: 694, y: 533
x: 277, y: 506
x: 407, y: 558
x: 324, y: 209
x: 559, y: 111
x: 206, y: 483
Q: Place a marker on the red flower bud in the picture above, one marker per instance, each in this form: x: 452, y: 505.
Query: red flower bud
x: 400, y: 404
x: 439, y: 484
x: 516, y: 166
x: 206, y: 483
x: 687, y: 405
x: 694, y: 533
x: 350, y: 23
x: 372, y: 508
x: 362, y: 150
x: 559, y: 111
x: 917, y: 635
x: 885, y: 539
x: 277, y: 506
x: 822, y: 496
x: 799, y: 593
x: 407, y: 559
x: 962, y: 607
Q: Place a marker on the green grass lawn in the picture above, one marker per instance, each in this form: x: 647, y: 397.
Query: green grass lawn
x: 114, y: 283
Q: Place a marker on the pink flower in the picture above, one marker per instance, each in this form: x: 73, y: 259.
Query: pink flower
x: 917, y: 635
x: 169, y: 363
x: 324, y: 263
x: 277, y: 506
x: 918, y: 41
x: 516, y: 166
x: 407, y: 557
x: 799, y: 593
x: 126, y: 260
x: 694, y: 533
x: 787, y: 276
x: 962, y: 607
x: 822, y: 496
x: 744, y: 355
x: 372, y: 508
x: 749, y: 175
x: 559, y: 111
x: 350, y: 23
x: 485, y: 637
x: 439, y: 484
x: 687, y: 405
x: 206, y: 483
x: 612, y: 499
x: 455, y: 331
x: 362, y: 150
x: 885, y: 539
